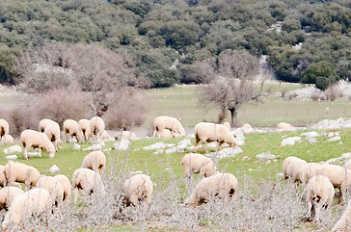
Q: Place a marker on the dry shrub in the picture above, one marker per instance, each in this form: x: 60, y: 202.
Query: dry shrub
x: 21, y: 118
x: 127, y: 112
x: 333, y: 92
x: 61, y: 104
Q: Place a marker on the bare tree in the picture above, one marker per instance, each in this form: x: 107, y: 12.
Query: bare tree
x: 236, y: 82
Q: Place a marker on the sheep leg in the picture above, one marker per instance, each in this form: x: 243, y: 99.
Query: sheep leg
x: 196, y: 143
x: 25, y: 153
x: 39, y: 151
x: 204, y: 146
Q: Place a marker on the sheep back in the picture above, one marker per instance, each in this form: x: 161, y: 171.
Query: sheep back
x: 84, y: 126
x: 66, y: 184
x: 167, y: 122
x: 32, y: 138
x: 344, y: 223
x: 4, y: 127
x: 95, y: 160
x: 138, y: 188
x: 23, y: 173
x: 7, y: 195
x: 294, y: 167
x: 86, y: 180
x: 197, y: 163
x: 54, y: 187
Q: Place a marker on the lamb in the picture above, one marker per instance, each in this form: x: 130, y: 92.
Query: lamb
x: 53, y: 132
x: 197, y: 163
x: 18, y: 172
x: 4, y: 128
x: 294, y: 167
x: 87, y: 181
x: 344, y: 223
x: 32, y: 138
x: 7, y: 195
x: 66, y: 184
x: 137, y: 189
x: 84, y: 126
x: 71, y: 128
x: 97, y: 127
x: 95, y: 160
x: 33, y: 204
x: 208, y: 132
x: 319, y: 194
x: 54, y: 187
x: 220, y: 185
x: 170, y: 123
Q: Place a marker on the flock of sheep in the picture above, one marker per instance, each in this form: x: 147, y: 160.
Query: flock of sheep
x: 319, y: 181
x: 43, y: 194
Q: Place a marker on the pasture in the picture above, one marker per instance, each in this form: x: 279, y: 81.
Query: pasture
x: 265, y: 201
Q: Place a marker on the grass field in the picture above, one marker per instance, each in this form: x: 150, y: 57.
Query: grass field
x: 182, y: 102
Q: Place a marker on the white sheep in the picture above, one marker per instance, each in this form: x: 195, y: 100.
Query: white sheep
x: 197, y: 163
x: 7, y: 194
x: 344, y: 223
x: 97, y: 127
x: 87, y: 181
x: 220, y: 185
x: 319, y: 194
x: 348, y: 164
x: 7, y: 139
x: 170, y: 123
x: 311, y: 170
x: 165, y: 134
x: 53, y: 131
x: 84, y: 126
x: 209, y: 132
x: 137, y: 189
x: 294, y: 167
x: 71, y: 129
x: 32, y: 204
x: 95, y: 160
x: 35, y: 139
x: 54, y: 187
x: 2, y: 176
x: 45, y: 123
x: 16, y: 173
x: 4, y: 128
x: 67, y: 187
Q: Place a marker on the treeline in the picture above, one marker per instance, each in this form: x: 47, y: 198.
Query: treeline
x: 169, y: 40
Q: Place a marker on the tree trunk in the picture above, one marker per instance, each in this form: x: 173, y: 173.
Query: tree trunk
x: 221, y: 115
x: 234, y: 117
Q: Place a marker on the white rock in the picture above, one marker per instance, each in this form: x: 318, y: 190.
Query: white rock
x: 266, y: 155
x: 155, y: 146
x: 228, y: 152
x: 94, y: 147
x: 290, y: 141
x: 122, y: 145
x: 334, y: 139
x: 11, y: 157
x: 54, y: 169
x: 13, y: 149
x: 311, y: 134
x: 76, y: 146
x: 311, y: 140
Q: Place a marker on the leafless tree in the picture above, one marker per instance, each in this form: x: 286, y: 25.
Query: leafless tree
x: 236, y: 82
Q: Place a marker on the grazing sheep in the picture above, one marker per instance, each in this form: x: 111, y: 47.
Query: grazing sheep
x: 53, y: 132
x: 165, y: 134
x: 84, y: 126
x: 54, y: 187
x: 7, y: 194
x: 95, y: 160
x: 348, y: 164
x: 7, y: 139
x: 319, y: 194
x: 71, y: 128
x: 45, y: 123
x: 97, y: 127
x: 197, y: 163
x: 66, y: 184
x: 170, y: 123
x: 220, y: 185
x: 32, y: 204
x: 87, y: 181
x: 294, y: 167
x: 137, y: 189
x: 208, y: 132
x: 344, y: 223
x: 311, y: 170
x: 4, y: 128
x: 22, y: 173
x: 2, y: 176
x: 35, y: 139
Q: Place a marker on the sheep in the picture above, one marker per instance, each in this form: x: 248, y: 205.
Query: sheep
x: 4, y: 128
x: 31, y: 138
x: 294, y: 167
x: 97, y: 127
x: 45, y: 123
x: 18, y: 172
x: 66, y: 184
x: 170, y: 123
x: 197, y: 163
x: 311, y: 170
x: 7, y: 139
x: 87, y: 181
x: 344, y: 223
x: 348, y: 164
x: 95, y: 160
x: 71, y: 128
x: 319, y: 194
x: 7, y: 195
x: 84, y: 126
x: 165, y: 134
x: 54, y: 187
x: 137, y: 189
x: 208, y: 132
x: 32, y: 204
x: 2, y: 176
x: 227, y: 124
x: 53, y: 132
x: 220, y: 185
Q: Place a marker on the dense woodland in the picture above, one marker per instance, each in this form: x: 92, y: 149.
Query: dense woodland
x: 169, y: 40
